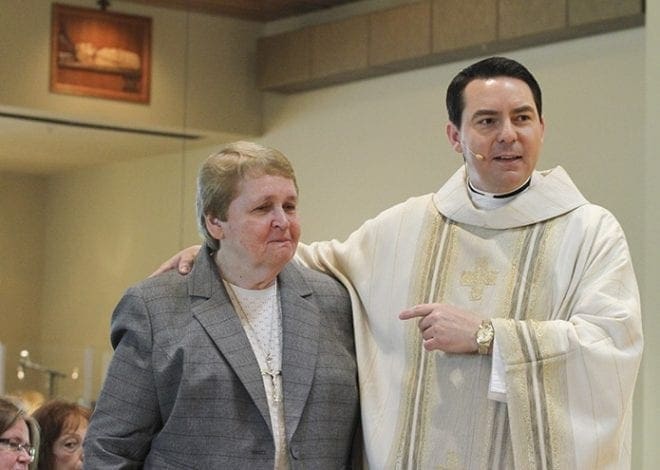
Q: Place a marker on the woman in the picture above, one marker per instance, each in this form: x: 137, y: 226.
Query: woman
x: 247, y: 362
x: 19, y: 437
x: 63, y: 426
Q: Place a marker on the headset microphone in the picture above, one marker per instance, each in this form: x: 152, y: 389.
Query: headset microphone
x: 478, y: 156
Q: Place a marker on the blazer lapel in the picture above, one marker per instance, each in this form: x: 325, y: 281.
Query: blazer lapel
x: 300, y: 335
x: 214, y: 311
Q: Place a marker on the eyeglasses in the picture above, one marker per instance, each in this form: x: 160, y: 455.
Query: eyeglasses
x: 14, y: 446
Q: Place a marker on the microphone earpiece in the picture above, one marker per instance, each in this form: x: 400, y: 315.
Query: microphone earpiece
x: 478, y: 156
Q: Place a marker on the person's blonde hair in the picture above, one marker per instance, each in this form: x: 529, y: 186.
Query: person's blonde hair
x: 221, y: 173
x: 13, y: 410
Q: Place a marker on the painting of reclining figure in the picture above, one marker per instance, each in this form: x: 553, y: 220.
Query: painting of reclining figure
x: 99, y: 53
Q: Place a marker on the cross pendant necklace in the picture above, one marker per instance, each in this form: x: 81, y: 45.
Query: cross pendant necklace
x: 273, y: 374
x: 269, y: 371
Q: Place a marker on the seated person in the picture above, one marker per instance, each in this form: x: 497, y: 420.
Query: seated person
x: 63, y: 426
x: 19, y: 437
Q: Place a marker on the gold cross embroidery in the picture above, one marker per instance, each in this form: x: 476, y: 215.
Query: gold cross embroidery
x: 478, y: 279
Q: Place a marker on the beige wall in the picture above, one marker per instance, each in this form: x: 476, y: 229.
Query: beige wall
x: 647, y: 403
x: 22, y: 229
x: 106, y: 227
x: 357, y: 148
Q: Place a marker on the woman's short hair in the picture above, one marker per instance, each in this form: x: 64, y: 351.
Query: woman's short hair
x: 221, y: 173
x: 12, y: 410
x: 56, y: 417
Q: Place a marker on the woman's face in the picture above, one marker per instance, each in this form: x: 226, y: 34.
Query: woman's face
x: 11, y: 459
x: 262, y: 228
x: 67, y: 448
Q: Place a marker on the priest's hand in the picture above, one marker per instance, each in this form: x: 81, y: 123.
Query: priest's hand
x: 183, y: 261
x: 445, y: 327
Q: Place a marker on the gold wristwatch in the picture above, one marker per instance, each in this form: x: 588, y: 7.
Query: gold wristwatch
x: 485, y: 335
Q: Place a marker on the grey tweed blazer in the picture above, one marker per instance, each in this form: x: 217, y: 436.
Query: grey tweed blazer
x: 184, y: 390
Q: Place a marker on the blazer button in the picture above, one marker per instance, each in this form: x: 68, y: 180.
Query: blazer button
x: 295, y: 452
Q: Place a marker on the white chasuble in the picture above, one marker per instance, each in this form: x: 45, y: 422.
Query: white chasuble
x: 554, y: 274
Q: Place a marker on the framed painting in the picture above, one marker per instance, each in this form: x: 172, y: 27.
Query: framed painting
x: 100, y: 53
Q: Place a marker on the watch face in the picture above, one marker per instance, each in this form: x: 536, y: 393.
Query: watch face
x: 485, y: 334
x: 482, y: 336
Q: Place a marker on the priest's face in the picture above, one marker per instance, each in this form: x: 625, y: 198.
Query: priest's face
x: 501, y: 133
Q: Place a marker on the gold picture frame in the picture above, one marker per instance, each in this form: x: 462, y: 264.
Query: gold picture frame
x: 100, y: 53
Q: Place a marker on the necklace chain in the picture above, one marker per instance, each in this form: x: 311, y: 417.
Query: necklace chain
x: 267, y: 354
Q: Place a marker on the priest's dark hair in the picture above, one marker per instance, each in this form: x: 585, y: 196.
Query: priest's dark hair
x: 488, y: 68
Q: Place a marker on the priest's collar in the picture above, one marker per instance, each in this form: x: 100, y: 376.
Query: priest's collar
x: 518, y: 190
x: 489, y: 201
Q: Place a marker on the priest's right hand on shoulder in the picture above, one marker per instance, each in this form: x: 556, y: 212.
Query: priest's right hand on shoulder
x: 182, y: 261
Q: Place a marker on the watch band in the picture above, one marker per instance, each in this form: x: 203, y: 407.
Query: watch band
x: 484, y: 336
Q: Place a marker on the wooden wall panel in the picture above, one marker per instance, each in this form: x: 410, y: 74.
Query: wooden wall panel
x: 589, y: 11
x: 400, y: 34
x: 519, y: 18
x: 284, y: 59
x: 340, y: 47
x: 458, y: 24
x: 430, y: 32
